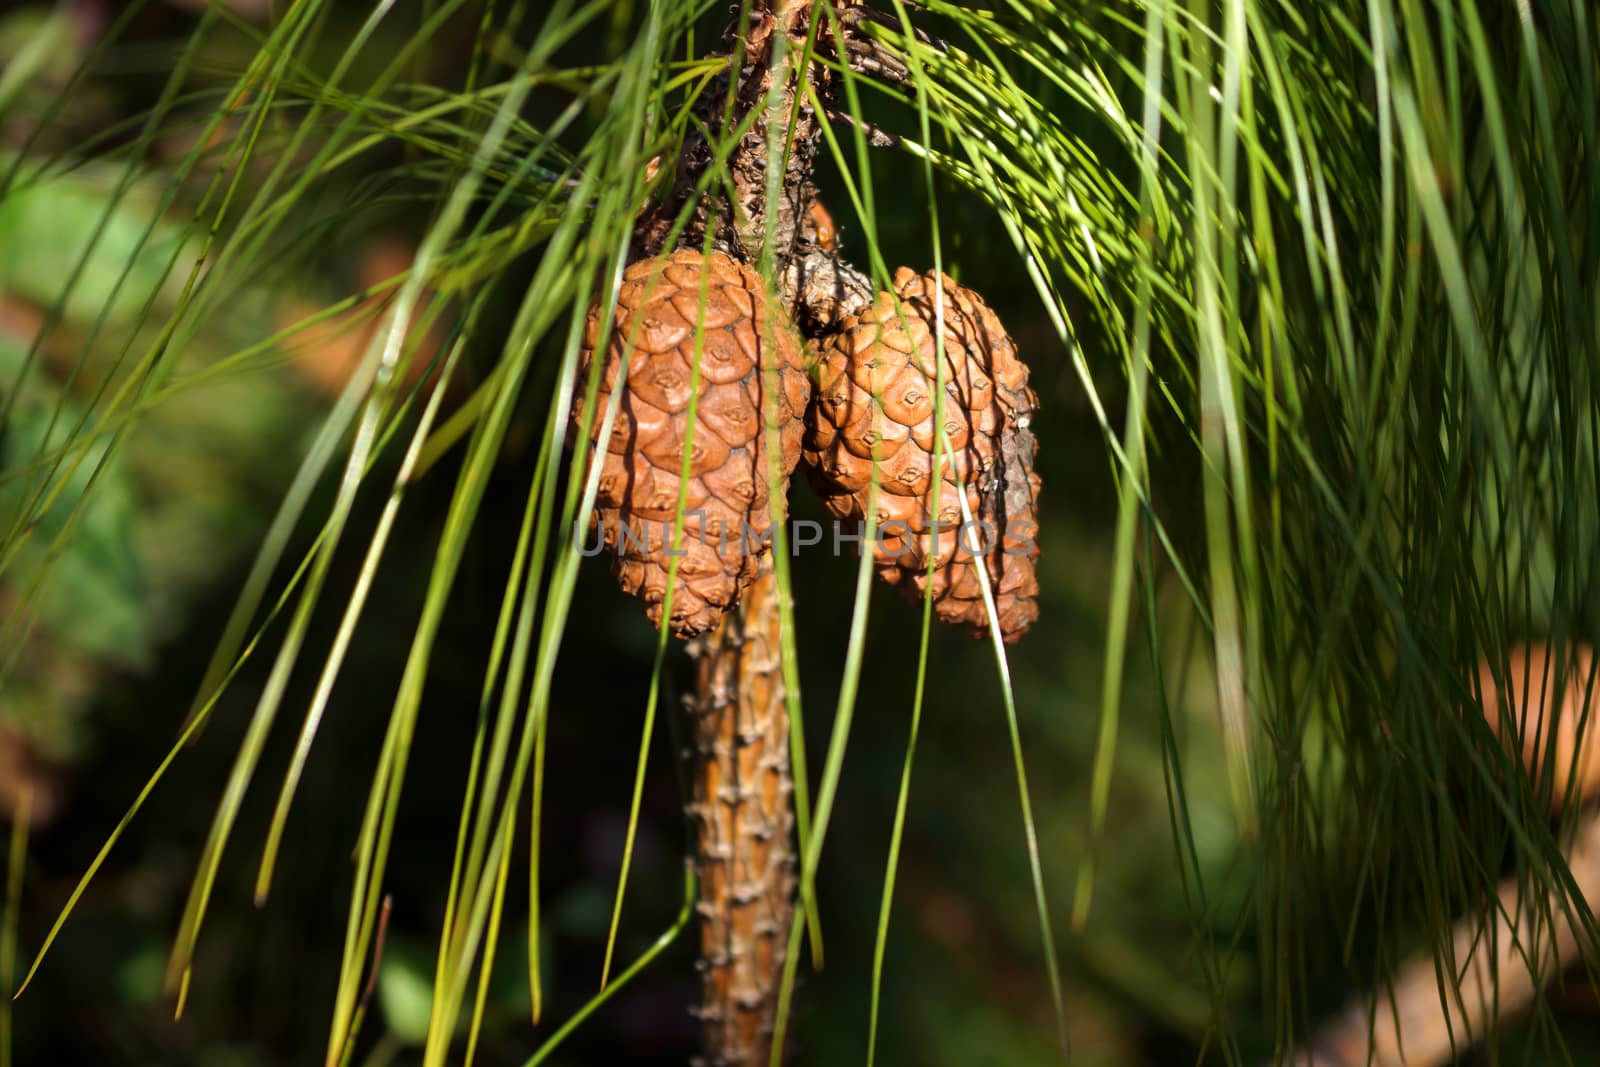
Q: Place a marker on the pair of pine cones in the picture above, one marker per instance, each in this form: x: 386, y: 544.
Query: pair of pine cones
x: 859, y: 397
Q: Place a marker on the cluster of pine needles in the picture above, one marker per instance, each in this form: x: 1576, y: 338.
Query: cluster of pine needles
x: 1326, y: 268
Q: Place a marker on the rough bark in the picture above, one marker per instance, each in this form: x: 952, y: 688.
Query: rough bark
x: 742, y: 817
x: 768, y: 85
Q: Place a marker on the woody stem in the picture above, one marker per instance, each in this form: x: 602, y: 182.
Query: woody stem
x: 742, y: 819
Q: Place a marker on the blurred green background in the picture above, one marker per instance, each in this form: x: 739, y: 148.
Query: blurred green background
x: 119, y: 637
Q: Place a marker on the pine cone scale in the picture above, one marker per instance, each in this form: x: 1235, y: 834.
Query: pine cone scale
x: 699, y: 337
x: 874, y: 407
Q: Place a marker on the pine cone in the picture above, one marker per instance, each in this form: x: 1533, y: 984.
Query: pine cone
x: 726, y: 519
x: 874, y: 400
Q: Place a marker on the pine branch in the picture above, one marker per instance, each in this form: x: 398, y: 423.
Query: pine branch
x: 1503, y: 960
x: 743, y: 820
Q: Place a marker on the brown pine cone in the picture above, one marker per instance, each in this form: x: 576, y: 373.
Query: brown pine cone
x: 875, y: 400
x: 726, y: 519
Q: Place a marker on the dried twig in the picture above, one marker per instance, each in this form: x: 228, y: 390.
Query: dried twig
x: 877, y: 136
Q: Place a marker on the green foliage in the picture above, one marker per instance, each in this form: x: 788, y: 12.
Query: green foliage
x: 1335, y: 264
